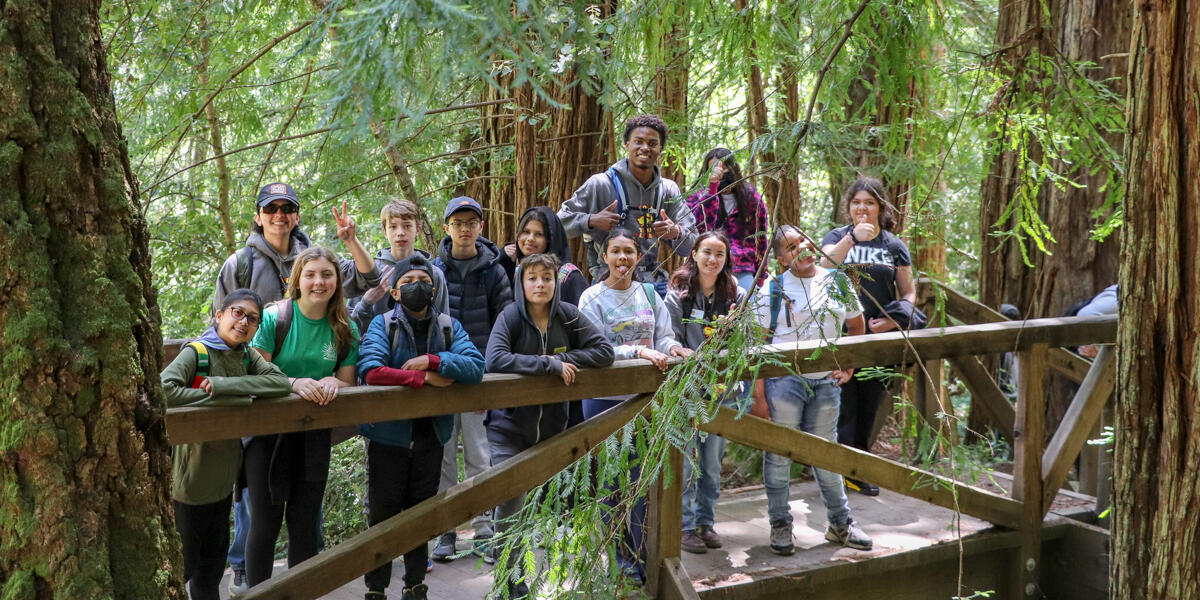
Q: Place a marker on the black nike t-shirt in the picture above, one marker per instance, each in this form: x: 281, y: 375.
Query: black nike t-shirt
x: 877, y: 276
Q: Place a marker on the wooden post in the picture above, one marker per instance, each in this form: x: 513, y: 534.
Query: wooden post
x: 664, y: 517
x: 1027, y: 468
x: 1079, y: 420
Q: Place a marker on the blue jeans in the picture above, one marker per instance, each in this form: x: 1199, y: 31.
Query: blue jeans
x: 632, y: 549
x: 700, y: 493
x: 241, y: 529
x: 810, y: 405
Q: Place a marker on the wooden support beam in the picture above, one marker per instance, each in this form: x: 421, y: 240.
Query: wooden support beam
x: 985, y: 394
x: 1027, y: 468
x: 675, y: 583
x: 381, y: 403
x: 383, y: 542
x: 811, y: 450
x: 966, y: 310
x: 1079, y: 421
x: 664, y: 518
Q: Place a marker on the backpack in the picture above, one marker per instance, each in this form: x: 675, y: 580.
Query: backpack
x: 445, y: 323
x: 203, y: 363
x: 777, y: 299
x: 283, y: 323
x: 623, y: 199
x: 245, y: 268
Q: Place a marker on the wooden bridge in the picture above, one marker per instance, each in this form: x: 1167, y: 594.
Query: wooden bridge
x: 1039, y: 469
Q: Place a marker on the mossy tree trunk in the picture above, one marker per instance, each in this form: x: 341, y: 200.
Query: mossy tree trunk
x: 1156, y: 476
x: 85, y: 510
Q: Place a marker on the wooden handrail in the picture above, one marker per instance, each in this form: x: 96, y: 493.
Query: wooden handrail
x: 366, y: 404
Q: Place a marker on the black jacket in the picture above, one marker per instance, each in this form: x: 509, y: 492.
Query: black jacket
x: 518, y: 346
x: 556, y: 244
x: 478, y: 295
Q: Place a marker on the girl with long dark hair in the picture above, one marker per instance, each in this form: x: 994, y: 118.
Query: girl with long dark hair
x: 733, y: 207
x: 702, y: 291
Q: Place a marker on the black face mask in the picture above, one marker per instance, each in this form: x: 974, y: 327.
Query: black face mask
x: 416, y: 296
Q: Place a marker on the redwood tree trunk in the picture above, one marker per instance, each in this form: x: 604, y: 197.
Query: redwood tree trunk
x: 85, y: 510
x: 1156, y: 478
x: 1093, y: 30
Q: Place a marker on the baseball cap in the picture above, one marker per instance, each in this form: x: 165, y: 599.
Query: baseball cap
x: 462, y: 203
x: 277, y: 191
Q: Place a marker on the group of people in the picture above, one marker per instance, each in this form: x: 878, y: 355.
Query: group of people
x: 290, y: 317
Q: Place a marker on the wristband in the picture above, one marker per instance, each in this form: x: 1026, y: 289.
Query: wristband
x: 852, y: 238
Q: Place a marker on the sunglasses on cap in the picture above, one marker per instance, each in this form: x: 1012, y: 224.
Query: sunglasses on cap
x: 287, y: 209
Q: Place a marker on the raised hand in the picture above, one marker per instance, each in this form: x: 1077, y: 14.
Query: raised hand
x: 346, y: 229
x: 666, y: 228
x: 718, y: 171
x: 377, y: 293
x: 606, y: 219
x: 864, y: 231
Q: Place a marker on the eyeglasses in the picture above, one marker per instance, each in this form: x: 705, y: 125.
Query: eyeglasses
x: 239, y: 314
x: 473, y: 223
x: 287, y: 209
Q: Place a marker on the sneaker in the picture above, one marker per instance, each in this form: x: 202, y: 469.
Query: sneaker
x: 781, y: 539
x: 691, y: 542
x: 416, y: 592
x: 429, y: 565
x: 848, y: 535
x: 862, y: 487
x: 484, y: 531
x: 237, y: 584
x: 374, y: 595
x: 445, y: 550
x: 518, y: 591
x: 709, y: 535
x: 488, y: 552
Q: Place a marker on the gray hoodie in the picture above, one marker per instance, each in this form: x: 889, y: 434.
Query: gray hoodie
x: 270, y: 270
x: 363, y: 313
x: 644, y: 203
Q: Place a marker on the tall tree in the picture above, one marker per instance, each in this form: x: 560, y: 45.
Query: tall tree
x: 1156, y: 476
x: 84, y: 505
x: 1032, y: 197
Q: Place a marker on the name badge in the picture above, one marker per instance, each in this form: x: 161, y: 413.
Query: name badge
x: 560, y: 349
x: 697, y: 314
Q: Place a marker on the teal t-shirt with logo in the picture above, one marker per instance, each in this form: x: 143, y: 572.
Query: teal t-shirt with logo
x: 310, y: 348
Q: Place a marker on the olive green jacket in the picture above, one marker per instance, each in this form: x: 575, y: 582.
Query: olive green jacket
x: 205, y: 472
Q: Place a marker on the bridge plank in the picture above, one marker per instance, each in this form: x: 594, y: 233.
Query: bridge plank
x: 335, y: 567
x: 811, y: 450
x: 367, y: 404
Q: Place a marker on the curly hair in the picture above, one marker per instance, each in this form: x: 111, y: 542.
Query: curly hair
x: 651, y: 121
x: 887, y: 211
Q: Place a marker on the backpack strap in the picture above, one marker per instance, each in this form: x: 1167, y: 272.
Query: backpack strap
x: 777, y: 300
x: 619, y: 189
x: 565, y: 271
x: 202, y: 359
x: 245, y: 265
x: 446, y: 324
x: 283, y: 323
x: 651, y: 294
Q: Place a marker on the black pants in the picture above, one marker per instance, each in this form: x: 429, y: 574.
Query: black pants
x: 302, y: 509
x: 399, y: 478
x: 860, y: 402
x: 204, y: 534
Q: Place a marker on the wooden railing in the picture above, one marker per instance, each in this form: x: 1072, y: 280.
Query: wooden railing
x: 1038, y: 470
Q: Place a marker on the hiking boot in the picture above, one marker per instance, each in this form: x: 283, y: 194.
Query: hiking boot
x: 416, y: 592
x: 375, y: 595
x: 709, y: 535
x: 691, y: 542
x: 445, y: 550
x: 848, y: 535
x: 862, y: 487
x: 237, y: 583
x: 781, y: 539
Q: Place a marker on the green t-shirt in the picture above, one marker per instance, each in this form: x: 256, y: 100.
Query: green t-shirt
x: 310, y: 348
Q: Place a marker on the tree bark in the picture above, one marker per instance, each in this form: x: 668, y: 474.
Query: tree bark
x: 1156, y: 478
x: 786, y: 192
x: 85, y: 510
x: 1077, y: 266
x: 671, y: 95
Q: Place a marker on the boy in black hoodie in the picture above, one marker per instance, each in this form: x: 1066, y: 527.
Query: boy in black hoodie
x: 537, y: 335
x: 478, y: 290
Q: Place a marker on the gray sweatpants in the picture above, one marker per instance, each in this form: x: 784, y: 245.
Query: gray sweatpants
x: 475, y: 455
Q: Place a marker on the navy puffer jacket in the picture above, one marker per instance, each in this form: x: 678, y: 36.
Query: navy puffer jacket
x: 480, y: 292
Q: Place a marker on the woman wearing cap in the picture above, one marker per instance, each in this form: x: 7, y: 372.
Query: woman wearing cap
x: 885, y: 267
